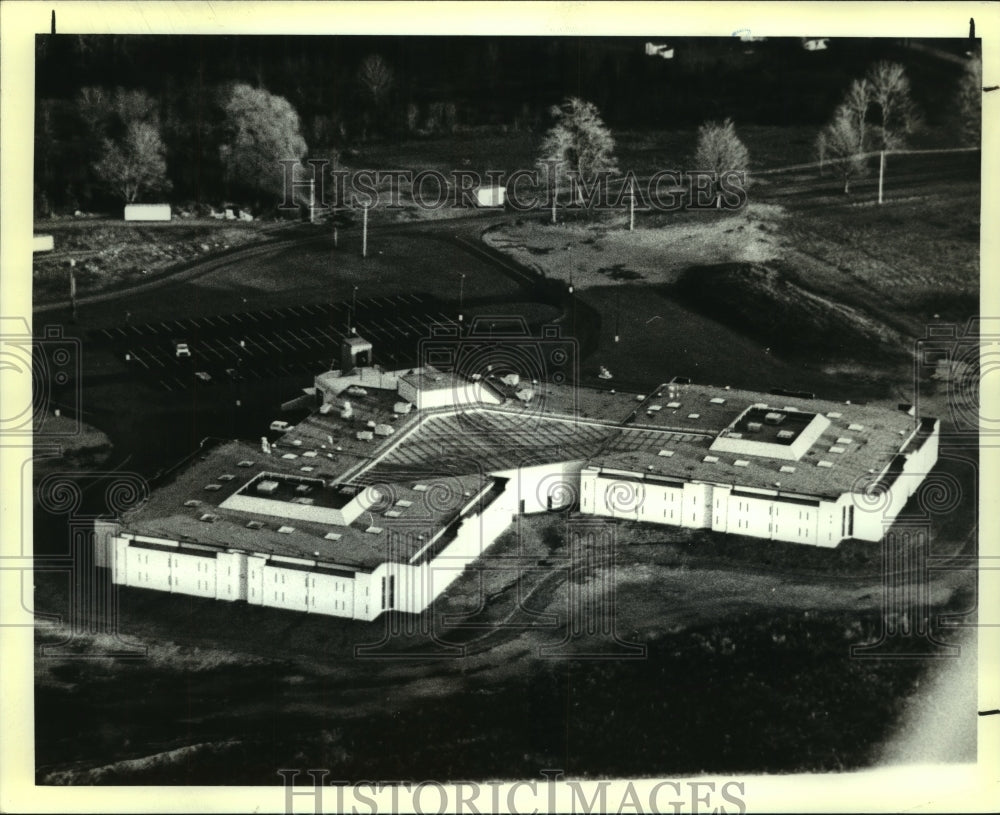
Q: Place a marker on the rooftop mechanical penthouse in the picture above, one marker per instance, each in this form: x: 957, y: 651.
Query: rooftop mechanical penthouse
x: 399, y: 480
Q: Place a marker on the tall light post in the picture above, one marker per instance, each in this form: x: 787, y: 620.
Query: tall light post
x: 351, y: 325
x: 461, y: 296
x: 618, y: 311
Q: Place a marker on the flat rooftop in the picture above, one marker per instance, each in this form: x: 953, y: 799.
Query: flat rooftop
x: 416, y: 506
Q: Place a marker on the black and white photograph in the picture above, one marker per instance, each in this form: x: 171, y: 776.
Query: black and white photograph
x: 545, y: 410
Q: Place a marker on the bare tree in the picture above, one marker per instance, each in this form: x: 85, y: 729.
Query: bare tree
x: 135, y: 164
x: 970, y: 101
x: 840, y: 140
x: 579, y: 142
x: 376, y: 78
x: 720, y: 149
x: 890, y: 94
x: 857, y: 103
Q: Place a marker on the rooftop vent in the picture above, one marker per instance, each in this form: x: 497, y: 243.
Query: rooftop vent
x: 754, y: 427
x: 254, y: 525
x: 310, y: 454
x: 774, y: 417
x: 374, y: 530
x: 785, y: 434
x: 286, y: 530
x: 303, y: 488
x: 393, y: 513
x: 717, y: 400
x: 297, y: 442
x: 674, y: 405
x: 420, y: 487
x: 402, y: 502
x: 844, y: 440
x: 665, y: 453
x: 192, y: 503
x: 290, y: 456
x: 208, y: 518
x: 654, y: 408
x: 213, y: 487
x: 836, y: 449
x: 856, y: 427
x: 694, y: 415
x: 710, y: 459
x: 307, y: 469
x: 741, y: 462
x: 303, y: 500
x: 833, y: 414
x: 245, y: 463
x: 824, y: 463
x: 332, y: 536
x: 787, y: 468
x: 267, y: 487
x: 226, y: 477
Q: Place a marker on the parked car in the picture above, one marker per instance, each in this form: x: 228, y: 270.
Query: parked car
x: 280, y: 426
x: 181, y: 349
x: 204, y: 376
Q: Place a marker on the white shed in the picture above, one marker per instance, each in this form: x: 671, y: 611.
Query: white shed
x: 491, y: 196
x: 147, y: 212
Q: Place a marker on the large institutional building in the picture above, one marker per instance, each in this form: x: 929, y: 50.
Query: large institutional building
x: 398, y: 481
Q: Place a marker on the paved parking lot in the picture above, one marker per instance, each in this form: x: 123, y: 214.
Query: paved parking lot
x: 257, y: 345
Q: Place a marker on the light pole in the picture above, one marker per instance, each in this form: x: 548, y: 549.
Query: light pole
x: 354, y: 308
x: 618, y: 311
x: 461, y: 296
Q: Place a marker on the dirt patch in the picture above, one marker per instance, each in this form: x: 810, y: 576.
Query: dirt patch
x: 110, y: 253
x: 579, y: 252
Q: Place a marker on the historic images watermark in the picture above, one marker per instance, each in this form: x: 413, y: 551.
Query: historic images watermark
x: 524, y: 189
x: 552, y: 794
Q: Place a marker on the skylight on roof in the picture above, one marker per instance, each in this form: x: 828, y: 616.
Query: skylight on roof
x: 307, y: 469
x: 824, y: 463
x: 717, y: 400
x: 332, y: 536
x: 836, y: 449
x: 787, y: 468
x: 694, y: 415
x: 654, y: 408
x: 741, y: 462
x: 833, y: 414
x: 226, y: 477
x: 310, y: 454
x: 845, y: 440
x: 374, y: 530
x: 856, y: 427
x: 254, y: 525
x: 673, y: 404
x: 393, y: 513
x: 286, y: 530
x: 420, y: 487
x: 192, y: 503
x: 208, y: 518
x: 710, y: 459
x: 665, y: 453
x: 402, y: 502
x: 289, y: 456
x: 245, y: 463
x: 213, y: 487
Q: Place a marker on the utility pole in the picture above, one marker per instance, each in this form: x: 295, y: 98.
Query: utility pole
x: 312, y: 200
x: 881, y: 173
x: 618, y: 311
x: 364, y: 232
x: 461, y: 298
x: 631, y: 211
x: 555, y: 195
x: 72, y: 282
x: 333, y: 219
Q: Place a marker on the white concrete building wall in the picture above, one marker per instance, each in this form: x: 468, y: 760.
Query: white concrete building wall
x: 535, y: 485
x: 330, y: 594
x: 284, y: 588
x: 697, y: 505
x: 192, y: 574
x: 231, y: 576
x: 255, y: 579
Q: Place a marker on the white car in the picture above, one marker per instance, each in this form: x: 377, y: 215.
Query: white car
x: 181, y: 349
x: 280, y: 426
